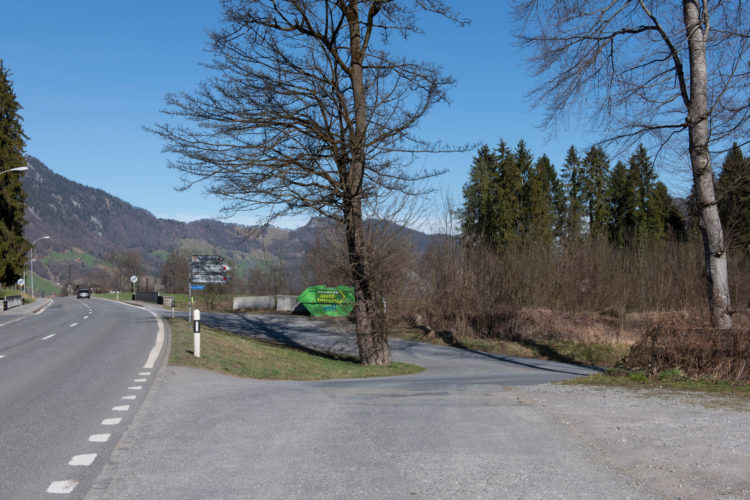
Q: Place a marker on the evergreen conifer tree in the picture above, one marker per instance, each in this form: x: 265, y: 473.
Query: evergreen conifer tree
x: 622, y: 206
x: 508, y: 208
x: 594, y: 178
x: 13, y: 246
x: 733, y: 187
x: 643, y: 180
x: 539, y: 205
x: 480, y: 197
x: 574, y: 194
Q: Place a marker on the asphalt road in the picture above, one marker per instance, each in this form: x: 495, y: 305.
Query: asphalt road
x: 72, y: 378
x: 456, y: 430
x: 445, y: 365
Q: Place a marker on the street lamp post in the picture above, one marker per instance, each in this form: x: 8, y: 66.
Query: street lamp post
x: 16, y: 169
x: 32, y: 261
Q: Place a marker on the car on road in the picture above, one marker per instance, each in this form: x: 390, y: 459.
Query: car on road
x: 84, y: 294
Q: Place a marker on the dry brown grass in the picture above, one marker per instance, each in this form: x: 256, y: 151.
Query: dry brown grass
x: 696, y: 352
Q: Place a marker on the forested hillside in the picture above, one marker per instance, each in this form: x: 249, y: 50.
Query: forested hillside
x: 99, y: 238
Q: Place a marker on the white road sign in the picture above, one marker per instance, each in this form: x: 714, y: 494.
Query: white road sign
x: 210, y: 278
x: 133, y: 279
x: 209, y: 268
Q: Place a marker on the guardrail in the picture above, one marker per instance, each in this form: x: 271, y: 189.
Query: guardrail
x: 12, y: 301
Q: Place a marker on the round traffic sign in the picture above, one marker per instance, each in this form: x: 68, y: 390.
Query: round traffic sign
x: 133, y: 279
x: 21, y: 282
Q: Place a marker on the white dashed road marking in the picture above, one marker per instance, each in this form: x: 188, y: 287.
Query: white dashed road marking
x: 135, y: 388
x: 121, y: 408
x: 49, y: 336
x: 83, y: 460
x: 139, y: 380
x: 111, y: 421
x: 99, y: 438
x: 62, y: 487
x: 74, y: 324
x: 132, y: 396
x: 85, y: 317
x: 2, y: 356
x: 144, y: 374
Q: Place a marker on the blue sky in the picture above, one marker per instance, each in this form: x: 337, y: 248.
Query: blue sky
x: 91, y: 74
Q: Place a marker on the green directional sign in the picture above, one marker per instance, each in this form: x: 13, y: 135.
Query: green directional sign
x: 324, y: 300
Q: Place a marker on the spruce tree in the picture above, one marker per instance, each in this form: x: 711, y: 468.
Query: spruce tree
x: 574, y: 194
x: 510, y: 184
x: 539, y: 214
x: 595, y: 173
x: 13, y: 246
x: 622, y: 206
x: 733, y: 188
x: 658, y: 212
x: 643, y: 179
x: 480, y: 197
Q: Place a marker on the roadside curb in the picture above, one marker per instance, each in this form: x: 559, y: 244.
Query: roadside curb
x: 42, y: 306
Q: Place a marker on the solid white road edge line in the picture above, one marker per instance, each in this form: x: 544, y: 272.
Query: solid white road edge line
x: 83, y: 460
x: 40, y: 311
x: 154, y: 354
x: 62, y: 487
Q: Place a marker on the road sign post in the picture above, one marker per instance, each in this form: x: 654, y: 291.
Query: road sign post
x: 204, y: 269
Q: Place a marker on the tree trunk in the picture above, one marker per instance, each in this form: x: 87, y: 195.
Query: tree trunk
x: 700, y: 157
x: 372, y: 339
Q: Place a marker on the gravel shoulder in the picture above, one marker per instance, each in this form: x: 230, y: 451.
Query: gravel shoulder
x: 678, y: 445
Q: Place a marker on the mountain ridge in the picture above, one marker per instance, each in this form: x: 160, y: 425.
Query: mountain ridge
x: 88, y: 220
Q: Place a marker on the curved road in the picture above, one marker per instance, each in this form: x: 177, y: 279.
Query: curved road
x: 72, y: 378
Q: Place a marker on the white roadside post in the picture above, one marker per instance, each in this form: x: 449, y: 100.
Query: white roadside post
x: 197, y: 333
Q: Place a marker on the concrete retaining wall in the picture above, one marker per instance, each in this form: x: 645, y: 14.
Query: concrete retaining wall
x: 256, y: 302
x: 12, y: 301
x: 286, y: 302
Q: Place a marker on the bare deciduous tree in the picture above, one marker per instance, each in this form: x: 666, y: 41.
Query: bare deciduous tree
x: 310, y: 113
x: 674, y: 71
x: 174, y: 272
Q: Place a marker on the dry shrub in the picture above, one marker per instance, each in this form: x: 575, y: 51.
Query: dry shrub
x: 697, y: 352
x: 584, y: 290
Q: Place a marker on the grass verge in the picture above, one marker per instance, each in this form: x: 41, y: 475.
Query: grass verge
x: 233, y: 354
x: 603, y: 355
x: 672, y: 379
